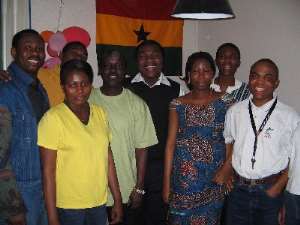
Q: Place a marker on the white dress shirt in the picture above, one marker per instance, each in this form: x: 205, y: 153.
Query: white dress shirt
x: 273, y: 144
x: 293, y: 185
x: 161, y: 80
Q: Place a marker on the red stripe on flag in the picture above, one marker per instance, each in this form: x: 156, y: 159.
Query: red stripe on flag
x: 143, y: 9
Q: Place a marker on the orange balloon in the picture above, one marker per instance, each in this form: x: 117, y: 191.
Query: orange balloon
x: 46, y: 34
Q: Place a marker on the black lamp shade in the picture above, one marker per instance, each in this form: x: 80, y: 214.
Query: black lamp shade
x: 203, y: 9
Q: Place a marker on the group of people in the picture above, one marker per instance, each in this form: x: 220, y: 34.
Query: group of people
x: 168, y: 157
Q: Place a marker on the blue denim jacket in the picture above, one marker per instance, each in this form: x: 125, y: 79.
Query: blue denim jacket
x: 24, y: 152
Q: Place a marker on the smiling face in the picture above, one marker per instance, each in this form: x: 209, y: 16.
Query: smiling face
x: 113, y: 70
x: 228, y: 61
x: 150, y: 62
x: 29, y: 54
x: 77, y: 88
x: 201, y: 75
x: 263, y: 80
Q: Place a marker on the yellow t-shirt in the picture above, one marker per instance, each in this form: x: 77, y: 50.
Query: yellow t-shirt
x: 50, y: 79
x: 82, y: 155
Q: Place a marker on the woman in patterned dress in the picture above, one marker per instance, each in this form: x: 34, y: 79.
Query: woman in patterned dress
x: 195, y: 149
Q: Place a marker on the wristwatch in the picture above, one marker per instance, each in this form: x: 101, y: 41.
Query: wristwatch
x: 140, y: 191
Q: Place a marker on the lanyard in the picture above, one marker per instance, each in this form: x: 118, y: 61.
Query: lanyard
x: 257, y: 132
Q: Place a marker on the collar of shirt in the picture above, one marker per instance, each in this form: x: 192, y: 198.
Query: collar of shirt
x: 216, y: 87
x: 23, y: 79
x: 265, y: 107
x: 20, y: 75
x: 161, y: 80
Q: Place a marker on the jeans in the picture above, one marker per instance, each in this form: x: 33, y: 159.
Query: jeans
x: 90, y: 216
x: 292, y: 208
x: 250, y: 205
x: 32, y: 195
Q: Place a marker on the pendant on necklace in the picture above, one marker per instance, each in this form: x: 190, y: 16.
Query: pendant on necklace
x: 253, y: 161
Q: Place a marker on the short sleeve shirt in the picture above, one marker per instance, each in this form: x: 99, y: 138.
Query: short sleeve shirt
x: 132, y: 127
x: 273, y: 143
x: 82, y: 155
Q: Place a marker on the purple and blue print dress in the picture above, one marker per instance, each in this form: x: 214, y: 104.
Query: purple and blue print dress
x: 199, y: 152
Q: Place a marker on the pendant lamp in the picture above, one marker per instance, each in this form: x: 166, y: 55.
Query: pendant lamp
x: 203, y: 9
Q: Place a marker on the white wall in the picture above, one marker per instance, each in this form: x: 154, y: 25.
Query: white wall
x: 15, y: 17
x: 262, y: 28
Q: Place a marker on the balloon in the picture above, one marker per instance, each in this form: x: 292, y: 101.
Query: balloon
x: 57, y: 41
x: 51, y: 62
x: 77, y: 34
x: 51, y: 52
x: 46, y: 34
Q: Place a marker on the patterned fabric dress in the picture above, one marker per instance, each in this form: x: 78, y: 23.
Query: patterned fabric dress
x: 200, y: 150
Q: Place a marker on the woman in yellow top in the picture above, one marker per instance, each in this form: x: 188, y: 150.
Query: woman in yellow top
x: 77, y: 161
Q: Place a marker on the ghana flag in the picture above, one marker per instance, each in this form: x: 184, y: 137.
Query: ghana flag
x: 123, y: 24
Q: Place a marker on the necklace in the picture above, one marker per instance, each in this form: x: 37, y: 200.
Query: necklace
x: 257, y: 132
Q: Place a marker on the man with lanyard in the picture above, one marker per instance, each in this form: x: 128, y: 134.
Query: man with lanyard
x: 258, y: 135
x: 157, y: 91
x: 26, y: 100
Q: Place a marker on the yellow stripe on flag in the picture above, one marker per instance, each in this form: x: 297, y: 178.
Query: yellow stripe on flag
x: 117, y: 30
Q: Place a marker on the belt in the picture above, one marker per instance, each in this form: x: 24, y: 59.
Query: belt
x: 252, y: 182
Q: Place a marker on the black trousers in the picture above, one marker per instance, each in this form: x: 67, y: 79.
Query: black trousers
x: 153, y: 210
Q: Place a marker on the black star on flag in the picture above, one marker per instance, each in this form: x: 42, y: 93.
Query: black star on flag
x: 141, y: 34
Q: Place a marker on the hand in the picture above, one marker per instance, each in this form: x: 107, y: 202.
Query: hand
x: 166, y: 194
x: 17, y: 220
x: 224, y: 175
x: 273, y: 191
x: 4, y: 76
x: 229, y: 184
x: 53, y: 221
x: 116, y: 213
x: 135, y: 199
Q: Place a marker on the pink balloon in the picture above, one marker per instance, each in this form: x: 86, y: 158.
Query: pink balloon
x: 51, y: 52
x: 77, y: 34
x: 51, y: 62
x: 57, y: 41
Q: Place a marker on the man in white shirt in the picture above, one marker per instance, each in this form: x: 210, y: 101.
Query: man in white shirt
x: 292, y: 195
x: 258, y: 134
